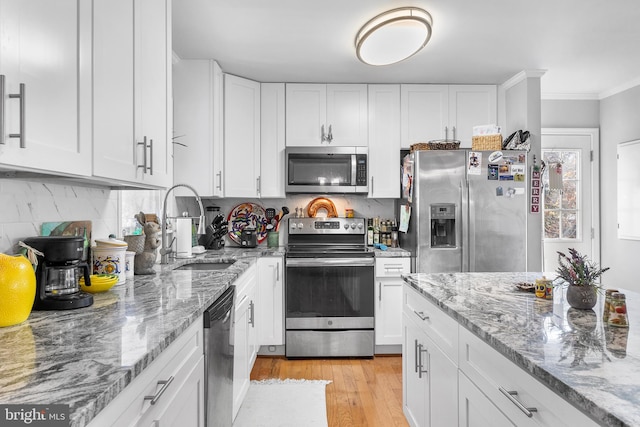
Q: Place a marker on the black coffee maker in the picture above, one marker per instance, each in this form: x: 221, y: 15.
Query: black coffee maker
x: 58, y: 273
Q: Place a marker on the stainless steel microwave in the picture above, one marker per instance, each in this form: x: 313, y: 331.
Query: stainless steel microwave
x: 326, y: 170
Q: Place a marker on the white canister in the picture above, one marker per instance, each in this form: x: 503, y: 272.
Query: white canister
x: 130, y: 257
x: 110, y: 260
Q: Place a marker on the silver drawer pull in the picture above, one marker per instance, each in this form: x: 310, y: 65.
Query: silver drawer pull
x: 421, y: 315
x: 511, y: 396
x: 164, y: 384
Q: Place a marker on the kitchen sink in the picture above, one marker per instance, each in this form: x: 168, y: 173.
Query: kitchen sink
x: 208, y: 266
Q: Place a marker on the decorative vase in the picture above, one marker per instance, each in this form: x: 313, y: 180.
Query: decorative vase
x: 582, y: 297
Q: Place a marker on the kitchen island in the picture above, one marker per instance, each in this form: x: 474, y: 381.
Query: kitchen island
x: 84, y: 358
x: 592, y: 366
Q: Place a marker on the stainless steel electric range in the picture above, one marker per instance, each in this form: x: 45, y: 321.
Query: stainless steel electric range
x: 329, y: 289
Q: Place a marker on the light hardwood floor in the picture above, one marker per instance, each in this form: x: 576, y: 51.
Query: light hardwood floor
x: 363, y: 392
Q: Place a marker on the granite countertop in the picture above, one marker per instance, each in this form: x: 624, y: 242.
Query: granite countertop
x: 85, y: 357
x: 593, y: 366
x: 392, y: 253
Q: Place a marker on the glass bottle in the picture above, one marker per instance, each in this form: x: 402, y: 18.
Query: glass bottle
x: 618, y: 311
x: 376, y: 230
x: 370, y: 231
x: 607, y: 304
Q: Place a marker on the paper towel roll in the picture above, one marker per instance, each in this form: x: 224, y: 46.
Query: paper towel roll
x: 183, y: 238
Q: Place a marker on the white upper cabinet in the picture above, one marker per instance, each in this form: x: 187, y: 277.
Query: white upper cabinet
x: 272, y: 140
x: 241, y: 137
x: 438, y: 112
x: 423, y: 113
x: 332, y: 114
x: 198, y: 116
x: 132, y: 84
x: 384, y: 141
x: 469, y: 106
x: 45, y: 49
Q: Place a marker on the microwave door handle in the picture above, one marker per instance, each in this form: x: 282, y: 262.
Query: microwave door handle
x: 354, y: 166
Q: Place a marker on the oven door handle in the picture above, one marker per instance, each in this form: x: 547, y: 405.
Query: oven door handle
x: 330, y: 262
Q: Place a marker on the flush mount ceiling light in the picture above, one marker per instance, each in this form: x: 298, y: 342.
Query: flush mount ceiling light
x: 393, y: 36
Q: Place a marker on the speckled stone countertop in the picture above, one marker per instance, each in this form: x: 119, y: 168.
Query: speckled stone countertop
x: 392, y: 253
x: 593, y: 366
x: 85, y: 357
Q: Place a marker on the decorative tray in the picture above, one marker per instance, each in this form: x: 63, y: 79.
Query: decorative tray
x: 247, y: 215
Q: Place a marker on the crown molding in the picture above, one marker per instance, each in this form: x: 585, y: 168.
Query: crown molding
x: 521, y: 76
x: 620, y: 88
x: 569, y: 96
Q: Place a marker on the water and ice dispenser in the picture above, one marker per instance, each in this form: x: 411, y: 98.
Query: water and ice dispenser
x: 443, y: 225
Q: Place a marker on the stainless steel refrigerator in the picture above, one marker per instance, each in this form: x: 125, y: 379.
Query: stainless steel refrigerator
x: 468, y: 210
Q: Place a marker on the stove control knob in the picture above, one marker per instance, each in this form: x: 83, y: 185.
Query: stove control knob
x: 300, y: 225
x: 353, y: 225
x: 360, y: 226
x: 293, y: 225
x: 346, y: 226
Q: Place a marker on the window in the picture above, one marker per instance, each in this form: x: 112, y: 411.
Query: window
x: 561, y: 201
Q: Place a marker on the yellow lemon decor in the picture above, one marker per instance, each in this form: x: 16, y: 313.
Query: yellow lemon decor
x: 17, y: 289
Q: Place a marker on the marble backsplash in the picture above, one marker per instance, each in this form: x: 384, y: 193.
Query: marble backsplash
x: 25, y: 204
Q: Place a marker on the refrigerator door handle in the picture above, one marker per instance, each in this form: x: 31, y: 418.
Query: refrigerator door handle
x: 465, y: 229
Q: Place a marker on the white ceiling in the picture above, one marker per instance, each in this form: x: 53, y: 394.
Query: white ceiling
x: 587, y: 47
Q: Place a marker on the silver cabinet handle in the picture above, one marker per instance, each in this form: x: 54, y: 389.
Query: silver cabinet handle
x: 511, y: 396
x: 144, y: 155
x: 446, y: 133
x: 2, y: 108
x: 219, y: 175
x: 421, y: 315
x: 323, y: 138
x: 454, y: 133
x: 371, y: 190
x: 21, y: 97
x: 258, y: 185
x: 416, y: 356
x: 421, y: 350
x: 252, y: 319
x: 380, y: 291
x: 330, y: 135
x: 164, y: 384
x: 150, y: 156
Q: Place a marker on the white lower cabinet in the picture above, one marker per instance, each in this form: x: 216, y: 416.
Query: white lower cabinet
x: 430, y: 386
x: 245, y: 344
x: 388, y: 296
x: 176, y: 382
x: 521, y: 398
x: 270, y: 310
x: 451, y: 377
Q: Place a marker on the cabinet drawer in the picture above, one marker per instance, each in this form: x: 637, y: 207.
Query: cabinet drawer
x: 491, y: 372
x: 393, y: 267
x: 441, y: 328
x: 175, y: 363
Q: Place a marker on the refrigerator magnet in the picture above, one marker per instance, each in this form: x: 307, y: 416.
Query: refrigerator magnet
x: 511, y: 192
x: 517, y: 169
x: 475, y: 160
x: 499, y: 191
x: 492, y: 172
x: 495, y: 157
x: 518, y: 177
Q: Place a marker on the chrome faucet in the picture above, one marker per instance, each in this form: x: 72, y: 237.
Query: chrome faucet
x: 165, y: 250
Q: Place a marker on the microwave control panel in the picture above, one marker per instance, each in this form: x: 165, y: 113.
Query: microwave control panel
x: 361, y: 169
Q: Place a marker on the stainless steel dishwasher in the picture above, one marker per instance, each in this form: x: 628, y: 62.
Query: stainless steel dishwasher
x: 218, y: 355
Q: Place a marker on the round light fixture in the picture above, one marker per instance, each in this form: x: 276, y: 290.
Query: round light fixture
x: 393, y: 36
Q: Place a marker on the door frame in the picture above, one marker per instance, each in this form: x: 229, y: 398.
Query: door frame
x: 594, y: 134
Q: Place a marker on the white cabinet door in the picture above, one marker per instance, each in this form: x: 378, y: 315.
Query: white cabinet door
x: 384, y: 141
x: 388, y: 295
x: 241, y: 137
x: 114, y: 147
x: 272, y: 140
x: 475, y: 409
x: 347, y: 114
x: 469, y: 106
x: 132, y: 86
x: 241, y: 356
x: 152, y: 86
x: 198, y: 118
x: 415, y: 383
x: 318, y: 114
x: 270, y: 308
x: 306, y: 114
x: 423, y: 113
x: 45, y: 46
